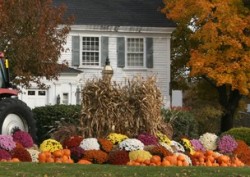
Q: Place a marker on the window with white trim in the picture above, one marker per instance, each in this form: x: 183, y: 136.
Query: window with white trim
x: 41, y: 92
x: 135, y: 52
x: 90, y: 51
x: 31, y: 92
x: 65, y: 99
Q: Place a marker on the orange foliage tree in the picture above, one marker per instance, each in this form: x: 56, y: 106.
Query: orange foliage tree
x: 221, y: 55
x: 32, y: 33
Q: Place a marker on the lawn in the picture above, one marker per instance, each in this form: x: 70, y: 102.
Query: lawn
x: 26, y: 169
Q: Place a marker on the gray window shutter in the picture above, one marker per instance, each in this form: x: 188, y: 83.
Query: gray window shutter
x: 104, y: 49
x: 120, y: 52
x: 149, y: 53
x: 75, y: 50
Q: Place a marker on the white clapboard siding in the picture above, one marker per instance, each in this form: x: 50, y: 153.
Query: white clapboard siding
x: 69, y: 84
x: 161, y: 55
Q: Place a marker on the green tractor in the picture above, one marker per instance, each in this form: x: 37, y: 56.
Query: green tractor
x: 14, y: 113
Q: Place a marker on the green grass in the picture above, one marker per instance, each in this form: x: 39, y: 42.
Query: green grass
x: 76, y: 170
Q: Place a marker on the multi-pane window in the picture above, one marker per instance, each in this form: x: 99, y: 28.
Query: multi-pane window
x: 135, y: 52
x: 90, y: 51
x: 35, y: 93
x: 65, y: 99
x: 41, y: 93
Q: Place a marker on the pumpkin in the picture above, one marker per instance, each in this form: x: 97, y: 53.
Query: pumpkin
x: 84, y: 162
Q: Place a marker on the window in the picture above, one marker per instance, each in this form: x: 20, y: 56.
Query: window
x: 65, y: 99
x: 31, y: 92
x: 135, y: 52
x: 90, y: 51
x: 41, y: 93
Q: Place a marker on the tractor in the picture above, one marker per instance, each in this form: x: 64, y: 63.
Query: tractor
x: 14, y: 113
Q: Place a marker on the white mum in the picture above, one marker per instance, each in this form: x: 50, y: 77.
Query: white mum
x: 131, y: 145
x: 209, y: 141
x: 34, y: 154
x: 166, y: 146
x: 90, y: 144
x: 177, y: 146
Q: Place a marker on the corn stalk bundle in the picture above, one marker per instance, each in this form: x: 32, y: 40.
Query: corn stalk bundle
x: 129, y: 109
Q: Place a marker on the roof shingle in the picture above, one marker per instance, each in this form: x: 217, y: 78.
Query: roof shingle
x: 143, y: 13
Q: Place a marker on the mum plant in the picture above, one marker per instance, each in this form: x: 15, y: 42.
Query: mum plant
x: 23, y: 138
x: 227, y: 144
x: 147, y: 139
x: 131, y: 145
x: 116, y: 138
x: 197, y: 145
x: 209, y: 141
x: 50, y: 145
x: 90, y: 144
x: 7, y: 142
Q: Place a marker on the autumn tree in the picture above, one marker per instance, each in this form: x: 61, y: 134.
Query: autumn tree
x: 32, y: 33
x: 180, y: 48
x: 221, y: 56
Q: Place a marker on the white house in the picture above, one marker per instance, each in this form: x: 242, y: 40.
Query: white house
x: 133, y: 34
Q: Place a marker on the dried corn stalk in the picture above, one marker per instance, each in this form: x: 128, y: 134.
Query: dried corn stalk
x: 130, y: 109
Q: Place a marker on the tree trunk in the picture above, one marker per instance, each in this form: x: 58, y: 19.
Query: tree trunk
x: 229, y: 100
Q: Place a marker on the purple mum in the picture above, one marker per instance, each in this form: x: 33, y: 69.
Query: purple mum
x: 147, y: 139
x: 7, y: 142
x: 227, y: 144
x: 197, y: 145
x: 23, y: 138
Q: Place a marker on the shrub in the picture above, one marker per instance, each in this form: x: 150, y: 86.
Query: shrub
x: 208, y: 118
x: 183, y: 123
x: 241, y: 133
x: 48, y: 118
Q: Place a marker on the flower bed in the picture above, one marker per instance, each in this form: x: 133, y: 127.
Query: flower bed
x: 118, y: 149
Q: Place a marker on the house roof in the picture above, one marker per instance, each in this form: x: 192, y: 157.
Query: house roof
x: 70, y: 70
x: 143, y: 13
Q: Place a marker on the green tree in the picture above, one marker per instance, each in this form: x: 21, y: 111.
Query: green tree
x: 221, y: 54
x: 33, y: 33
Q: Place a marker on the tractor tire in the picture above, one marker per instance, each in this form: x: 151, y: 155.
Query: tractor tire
x: 14, y: 115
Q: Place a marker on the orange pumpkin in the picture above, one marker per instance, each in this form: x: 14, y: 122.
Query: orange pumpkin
x: 146, y: 162
x: 165, y: 163
x: 66, y: 152
x: 84, y: 162
x: 172, y: 159
x: 42, y: 157
x: 181, y: 157
x: 155, y: 159
x: 15, y: 160
x: 58, y: 153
